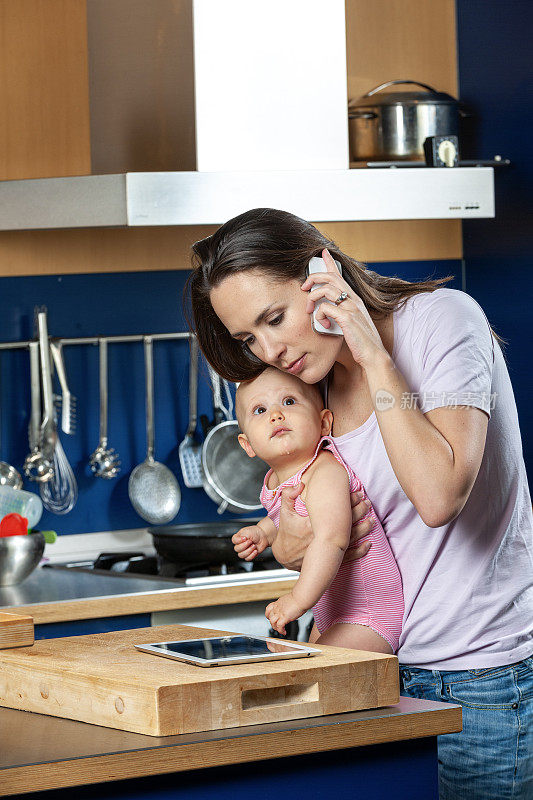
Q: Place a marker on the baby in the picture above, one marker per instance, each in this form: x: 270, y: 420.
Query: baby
x: 356, y: 604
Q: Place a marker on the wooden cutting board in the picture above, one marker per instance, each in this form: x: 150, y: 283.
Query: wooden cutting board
x: 16, y: 630
x: 104, y: 680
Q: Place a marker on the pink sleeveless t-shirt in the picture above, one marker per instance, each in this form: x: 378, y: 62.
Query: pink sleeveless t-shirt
x: 367, y: 591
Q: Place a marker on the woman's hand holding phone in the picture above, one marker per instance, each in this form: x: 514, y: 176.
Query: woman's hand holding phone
x: 317, y: 265
x: 360, y: 333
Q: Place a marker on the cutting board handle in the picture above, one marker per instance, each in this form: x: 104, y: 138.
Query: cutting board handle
x: 283, y: 696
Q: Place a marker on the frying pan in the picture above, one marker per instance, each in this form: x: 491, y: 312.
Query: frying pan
x: 204, y: 542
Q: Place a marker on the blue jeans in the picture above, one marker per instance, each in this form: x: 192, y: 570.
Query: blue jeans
x: 492, y: 758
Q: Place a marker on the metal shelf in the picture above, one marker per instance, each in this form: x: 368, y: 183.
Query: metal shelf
x: 96, y: 339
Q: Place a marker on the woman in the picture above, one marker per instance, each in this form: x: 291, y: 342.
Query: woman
x: 425, y: 415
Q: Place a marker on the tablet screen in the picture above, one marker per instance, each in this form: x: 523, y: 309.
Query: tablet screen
x: 226, y: 647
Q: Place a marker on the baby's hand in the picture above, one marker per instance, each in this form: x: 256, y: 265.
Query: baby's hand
x: 249, y: 542
x: 282, y: 611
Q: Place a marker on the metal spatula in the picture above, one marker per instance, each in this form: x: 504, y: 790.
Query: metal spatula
x: 190, y: 451
x: 68, y: 401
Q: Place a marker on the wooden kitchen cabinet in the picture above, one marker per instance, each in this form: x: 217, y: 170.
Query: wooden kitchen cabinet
x: 102, y: 86
x: 44, y: 89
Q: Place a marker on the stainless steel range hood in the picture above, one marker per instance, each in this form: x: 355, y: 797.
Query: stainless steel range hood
x: 205, y: 198
x: 271, y: 125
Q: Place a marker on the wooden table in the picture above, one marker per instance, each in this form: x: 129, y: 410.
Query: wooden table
x: 365, y: 754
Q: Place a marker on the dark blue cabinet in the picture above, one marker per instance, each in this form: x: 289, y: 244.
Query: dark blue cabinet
x: 82, y: 627
x: 403, y: 770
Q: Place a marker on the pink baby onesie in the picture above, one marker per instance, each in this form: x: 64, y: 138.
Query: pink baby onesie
x: 367, y: 591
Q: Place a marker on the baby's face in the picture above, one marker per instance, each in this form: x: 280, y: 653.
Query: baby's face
x: 280, y: 416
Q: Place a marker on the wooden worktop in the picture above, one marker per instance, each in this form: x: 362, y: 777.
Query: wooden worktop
x: 63, y: 596
x: 38, y: 752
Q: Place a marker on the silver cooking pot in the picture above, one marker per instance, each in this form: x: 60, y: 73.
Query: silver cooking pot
x: 392, y: 126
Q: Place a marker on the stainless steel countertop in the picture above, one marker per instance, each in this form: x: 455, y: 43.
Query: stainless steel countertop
x: 56, y: 585
x: 28, y: 739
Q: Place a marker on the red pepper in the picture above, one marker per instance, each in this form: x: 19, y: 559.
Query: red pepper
x: 13, y: 525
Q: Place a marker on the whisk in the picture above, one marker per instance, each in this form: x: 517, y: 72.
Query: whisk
x: 60, y: 493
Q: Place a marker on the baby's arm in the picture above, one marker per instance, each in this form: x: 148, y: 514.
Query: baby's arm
x: 253, y: 539
x: 329, y: 509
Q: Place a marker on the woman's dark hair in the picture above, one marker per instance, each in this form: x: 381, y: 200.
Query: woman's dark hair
x: 280, y: 245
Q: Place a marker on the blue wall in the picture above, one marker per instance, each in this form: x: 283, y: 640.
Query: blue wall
x: 495, y: 79
x: 105, y: 304
x: 88, y: 305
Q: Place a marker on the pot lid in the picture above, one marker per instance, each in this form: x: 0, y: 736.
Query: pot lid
x: 375, y: 97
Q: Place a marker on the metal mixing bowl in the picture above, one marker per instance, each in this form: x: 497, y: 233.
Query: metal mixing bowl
x: 19, y: 555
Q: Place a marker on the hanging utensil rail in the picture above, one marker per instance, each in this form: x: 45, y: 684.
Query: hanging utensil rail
x: 96, y: 339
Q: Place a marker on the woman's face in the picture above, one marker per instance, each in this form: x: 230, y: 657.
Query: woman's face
x: 269, y: 317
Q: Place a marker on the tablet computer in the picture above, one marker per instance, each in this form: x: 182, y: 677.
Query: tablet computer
x: 218, y: 651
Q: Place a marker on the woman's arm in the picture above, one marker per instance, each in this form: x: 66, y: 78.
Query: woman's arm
x: 436, y: 456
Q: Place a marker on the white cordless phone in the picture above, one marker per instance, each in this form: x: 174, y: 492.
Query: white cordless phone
x: 317, y: 265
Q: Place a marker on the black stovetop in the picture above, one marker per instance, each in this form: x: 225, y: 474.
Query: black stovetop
x: 157, y: 568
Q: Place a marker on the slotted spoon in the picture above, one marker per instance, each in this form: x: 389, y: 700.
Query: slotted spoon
x: 190, y: 451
